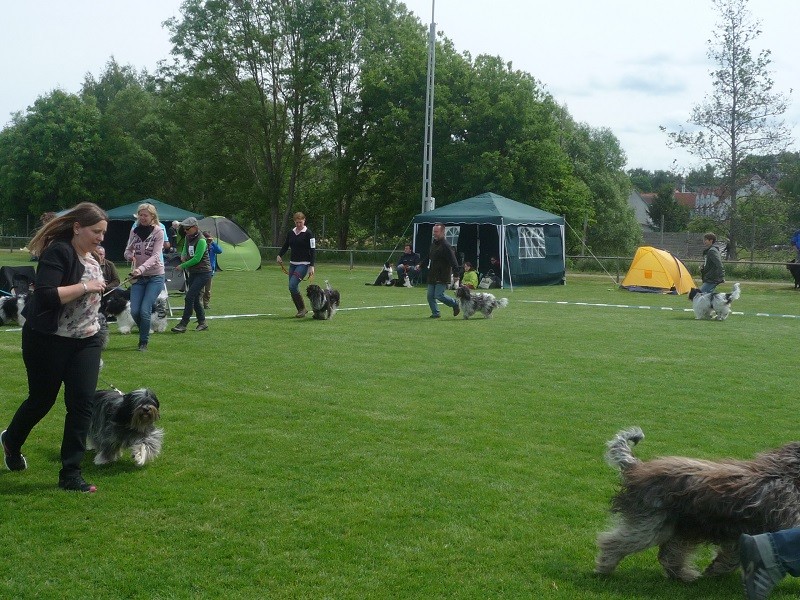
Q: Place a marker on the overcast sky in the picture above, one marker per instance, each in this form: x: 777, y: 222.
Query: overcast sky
x: 629, y: 65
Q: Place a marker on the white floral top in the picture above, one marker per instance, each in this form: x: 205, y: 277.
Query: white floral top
x: 79, y: 317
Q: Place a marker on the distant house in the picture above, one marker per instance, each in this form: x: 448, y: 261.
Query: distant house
x: 640, y: 206
x: 716, y: 202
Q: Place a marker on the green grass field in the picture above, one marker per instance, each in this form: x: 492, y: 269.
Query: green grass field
x: 386, y: 455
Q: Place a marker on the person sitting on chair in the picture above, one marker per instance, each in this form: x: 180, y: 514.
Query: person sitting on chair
x: 470, y: 277
x: 408, y: 267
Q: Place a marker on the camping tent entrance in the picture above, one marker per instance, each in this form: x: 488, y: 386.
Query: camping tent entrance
x: 657, y: 271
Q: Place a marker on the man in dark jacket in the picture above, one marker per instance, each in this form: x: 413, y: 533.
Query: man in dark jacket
x: 441, y: 262
x: 711, y: 271
x: 407, y: 266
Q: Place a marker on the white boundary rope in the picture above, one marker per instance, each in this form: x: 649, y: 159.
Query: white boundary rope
x: 556, y: 302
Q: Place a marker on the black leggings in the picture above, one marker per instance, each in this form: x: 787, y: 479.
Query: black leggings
x: 51, y: 360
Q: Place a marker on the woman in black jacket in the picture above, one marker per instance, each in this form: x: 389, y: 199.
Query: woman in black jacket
x: 60, y: 339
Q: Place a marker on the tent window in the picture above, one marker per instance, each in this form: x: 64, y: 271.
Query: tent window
x: 531, y: 242
x: 451, y: 233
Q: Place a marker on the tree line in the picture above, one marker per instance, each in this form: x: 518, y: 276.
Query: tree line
x: 269, y: 107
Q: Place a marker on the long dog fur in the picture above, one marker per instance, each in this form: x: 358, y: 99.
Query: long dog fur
x: 680, y: 503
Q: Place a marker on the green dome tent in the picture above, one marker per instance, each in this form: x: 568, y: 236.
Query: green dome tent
x: 239, y: 251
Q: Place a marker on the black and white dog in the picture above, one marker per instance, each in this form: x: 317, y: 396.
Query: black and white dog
x: 385, y: 277
x: 484, y: 302
x: 715, y: 305
x: 324, y: 303
x: 11, y: 310
x: 117, y: 304
x: 125, y: 421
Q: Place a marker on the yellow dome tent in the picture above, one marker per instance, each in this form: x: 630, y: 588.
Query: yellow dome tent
x: 658, y: 271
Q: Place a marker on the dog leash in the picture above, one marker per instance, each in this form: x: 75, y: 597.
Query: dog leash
x: 285, y: 272
x: 112, y: 386
x: 121, y: 283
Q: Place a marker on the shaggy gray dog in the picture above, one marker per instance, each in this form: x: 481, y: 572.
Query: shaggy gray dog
x: 324, y: 303
x: 679, y: 503
x: 472, y: 302
x: 125, y: 421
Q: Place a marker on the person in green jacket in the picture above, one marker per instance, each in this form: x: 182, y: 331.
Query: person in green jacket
x: 470, y: 277
x: 197, y: 265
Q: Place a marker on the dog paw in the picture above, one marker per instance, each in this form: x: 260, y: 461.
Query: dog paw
x: 102, y: 459
x: 140, y: 455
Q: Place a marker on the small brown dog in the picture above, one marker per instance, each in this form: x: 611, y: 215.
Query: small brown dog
x: 679, y: 503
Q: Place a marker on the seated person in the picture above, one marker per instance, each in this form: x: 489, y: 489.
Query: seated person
x: 495, y: 271
x: 408, y: 265
x: 470, y: 277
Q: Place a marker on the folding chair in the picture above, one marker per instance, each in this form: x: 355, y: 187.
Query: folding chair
x: 174, y: 278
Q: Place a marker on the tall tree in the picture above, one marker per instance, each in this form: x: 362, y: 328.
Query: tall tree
x: 47, y: 155
x: 742, y: 115
x: 265, y: 55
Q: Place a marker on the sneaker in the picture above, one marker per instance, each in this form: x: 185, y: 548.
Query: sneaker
x: 14, y: 462
x: 179, y: 328
x: 142, y: 347
x: 436, y: 316
x: 301, y: 313
x: 201, y: 327
x: 76, y: 484
x: 456, y: 310
x: 407, y: 282
x: 759, y: 576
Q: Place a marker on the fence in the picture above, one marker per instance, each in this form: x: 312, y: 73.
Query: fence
x: 615, y: 266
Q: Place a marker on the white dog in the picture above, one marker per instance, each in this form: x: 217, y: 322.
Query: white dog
x: 713, y: 305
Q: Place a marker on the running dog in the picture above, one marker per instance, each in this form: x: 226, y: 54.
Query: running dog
x: 125, y: 421
x: 714, y: 305
x: 472, y: 302
x: 324, y: 303
x: 680, y: 503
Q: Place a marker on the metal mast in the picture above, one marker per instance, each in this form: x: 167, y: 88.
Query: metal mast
x: 428, y: 200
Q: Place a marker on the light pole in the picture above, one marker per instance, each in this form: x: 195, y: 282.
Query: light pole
x: 427, y: 161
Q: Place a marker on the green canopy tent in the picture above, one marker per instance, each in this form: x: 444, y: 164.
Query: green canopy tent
x: 239, y: 251
x: 121, y: 219
x: 528, y: 241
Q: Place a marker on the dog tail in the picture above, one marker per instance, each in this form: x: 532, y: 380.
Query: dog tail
x: 734, y: 295
x: 502, y: 302
x: 618, y: 449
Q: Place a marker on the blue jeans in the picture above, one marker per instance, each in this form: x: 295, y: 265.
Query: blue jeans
x: 436, y: 292
x: 707, y: 287
x: 296, y: 274
x: 197, y: 281
x: 144, y: 293
x: 786, y: 545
